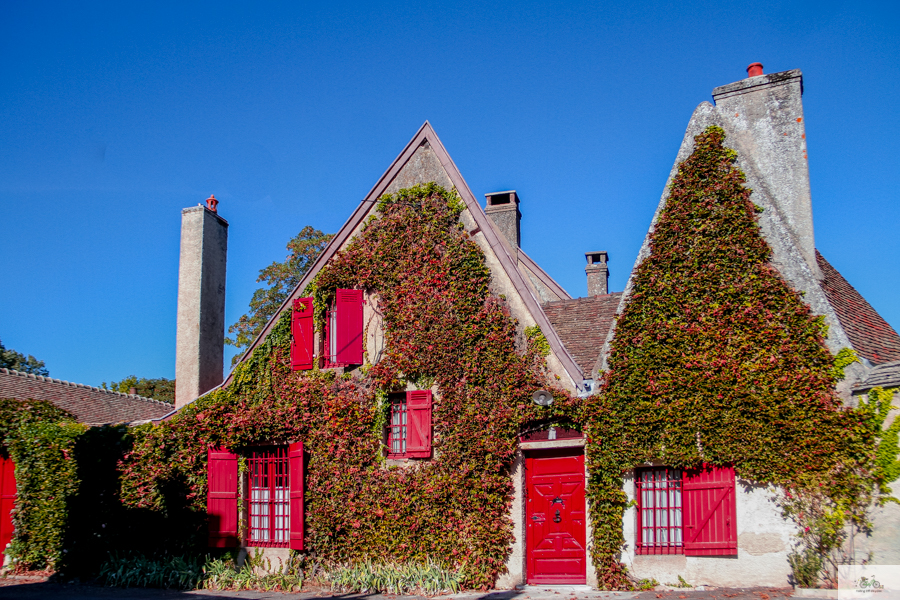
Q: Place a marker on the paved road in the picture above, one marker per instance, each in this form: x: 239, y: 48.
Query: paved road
x: 54, y: 591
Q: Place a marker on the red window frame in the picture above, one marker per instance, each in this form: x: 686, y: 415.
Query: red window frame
x: 398, y: 426
x: 343, y: 339
x: 268, y: 498
x: 409, y: 425
x: 659, y: 492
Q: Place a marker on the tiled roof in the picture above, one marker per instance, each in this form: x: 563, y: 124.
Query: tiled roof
x: 870, y: 335
x: 90, y: 405
x: 886, y: 376
x: 583, y: 324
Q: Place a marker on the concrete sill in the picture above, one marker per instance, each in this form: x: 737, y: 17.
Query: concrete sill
x: 800, y: 592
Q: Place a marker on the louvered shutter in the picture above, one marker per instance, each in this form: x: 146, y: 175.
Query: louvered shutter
x: 302, y: 334
x: 348, y: 305
x: 418, y: 428
x: 7, y: 500
x: 709, y: 505
x: 295, y: 459
x: 222, y: 498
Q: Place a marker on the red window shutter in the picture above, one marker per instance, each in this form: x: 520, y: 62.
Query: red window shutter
x: 348, y: 304
x: 295, y: 460
x: 302, y: 334
x: 418, y: 419
x: 7, y: 500
x: 222, y: 498
x: 710, y: 526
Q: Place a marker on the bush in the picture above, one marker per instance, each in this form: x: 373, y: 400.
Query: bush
x: 429, y: 578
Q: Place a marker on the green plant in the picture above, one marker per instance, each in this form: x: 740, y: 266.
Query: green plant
x: 645, y: 584
x: 408, y: 578
x: 135, y: 570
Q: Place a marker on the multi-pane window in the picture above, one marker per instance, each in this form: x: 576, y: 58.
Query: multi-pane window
x: 269, y: 497
x: 398, y: 427
x: 659, y: 503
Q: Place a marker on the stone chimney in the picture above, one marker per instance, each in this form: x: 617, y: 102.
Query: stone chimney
x: 503, y: 209
x: 766, y: 126
x: 597, y: 273
x: 200, y: 339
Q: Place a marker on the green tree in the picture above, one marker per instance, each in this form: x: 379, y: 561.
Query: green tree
x: 280, y: 278
x: 10, y: 359
x: 159, y: 389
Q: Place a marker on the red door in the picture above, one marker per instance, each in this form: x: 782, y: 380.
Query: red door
x: 7, y: 500
x: 555, y: 517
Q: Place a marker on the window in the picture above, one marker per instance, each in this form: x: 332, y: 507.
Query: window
x: 409, y: 429
x: 268, y: 499
x: 688, y: 512
x: 344, y: 329
x: 397, y: 433
x: 658, y: 492
x: 274, y: 500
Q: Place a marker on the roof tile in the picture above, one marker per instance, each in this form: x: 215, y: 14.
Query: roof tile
x: 90, y: 405
x: 583, y: 324
x: 870, y: 335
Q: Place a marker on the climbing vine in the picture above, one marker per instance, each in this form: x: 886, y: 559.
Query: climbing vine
x: 442, y: 326
x: 717, y: 360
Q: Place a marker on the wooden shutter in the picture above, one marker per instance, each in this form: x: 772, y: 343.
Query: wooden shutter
x: 709, y: 505
x: 418, y: 424
x: 348, y: 304
x: 302, y: 334
x: 222, y: 498
x: 7, y: 500
x: 295, y: 459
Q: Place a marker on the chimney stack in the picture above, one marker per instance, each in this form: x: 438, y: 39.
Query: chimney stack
x: 200, y: 338
x: 597, y: 273
x: 503, y: 209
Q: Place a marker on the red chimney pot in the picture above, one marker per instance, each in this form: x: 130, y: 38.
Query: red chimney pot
x: 754, y: 69
x: 211, y: 203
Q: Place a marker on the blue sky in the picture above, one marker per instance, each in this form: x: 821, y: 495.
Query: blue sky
x: 115, y: 116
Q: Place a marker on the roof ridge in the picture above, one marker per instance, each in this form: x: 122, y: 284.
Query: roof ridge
x: 80, y: 385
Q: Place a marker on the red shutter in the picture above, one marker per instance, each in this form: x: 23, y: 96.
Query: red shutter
x: 348, y: 304
x: 302, y: 334
x: 295, y: 459
x: 710, y: 526
x: 222, y: 498
x: 7, y: 500
x: 418, y: 419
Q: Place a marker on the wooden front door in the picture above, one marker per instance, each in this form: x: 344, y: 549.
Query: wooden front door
x: 555, y: 516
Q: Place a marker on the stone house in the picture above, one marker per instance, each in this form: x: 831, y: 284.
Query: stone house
x: 746, y: 541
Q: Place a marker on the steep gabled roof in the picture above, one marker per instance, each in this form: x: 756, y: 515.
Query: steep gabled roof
x: 870, y: 335
x: 542, y: 277
x: 583, y: 324
x: 90, y: 405
x: 427, y: 136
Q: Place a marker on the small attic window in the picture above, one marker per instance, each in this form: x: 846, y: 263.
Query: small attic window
x: 499, y: 199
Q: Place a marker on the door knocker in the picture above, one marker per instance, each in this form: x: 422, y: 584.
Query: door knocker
x: 557, y: 518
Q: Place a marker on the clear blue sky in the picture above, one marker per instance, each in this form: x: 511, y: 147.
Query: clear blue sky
x: 115, y: 116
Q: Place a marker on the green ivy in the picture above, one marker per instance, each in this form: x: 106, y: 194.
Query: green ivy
x: 717, y: 360
x: 441, y: 327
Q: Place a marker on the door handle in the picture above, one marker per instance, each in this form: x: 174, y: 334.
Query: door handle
x: 557, y: 518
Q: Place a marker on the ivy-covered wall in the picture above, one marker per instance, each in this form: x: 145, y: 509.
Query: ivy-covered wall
x: 442, y: 327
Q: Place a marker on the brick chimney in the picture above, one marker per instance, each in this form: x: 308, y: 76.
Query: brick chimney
x: 503, y: 209
x: 597, y: 273
x: 200, y: 338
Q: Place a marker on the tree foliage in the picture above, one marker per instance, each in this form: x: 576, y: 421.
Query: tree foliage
x: 159, y: 388
x: 10, y: 359
x: 280, y: 278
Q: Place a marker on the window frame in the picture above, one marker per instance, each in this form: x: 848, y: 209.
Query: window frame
x: 271, y: 462
x: 675, y: 533
x: 397, y: 399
